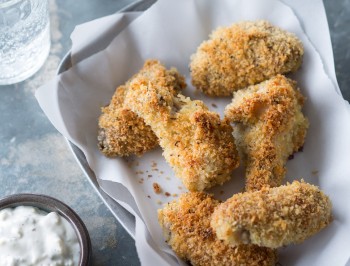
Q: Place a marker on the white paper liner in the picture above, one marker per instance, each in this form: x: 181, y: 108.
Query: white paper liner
x: 94, y: 36
x: 171, y: 31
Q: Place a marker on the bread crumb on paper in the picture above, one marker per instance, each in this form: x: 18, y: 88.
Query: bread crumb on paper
x: 157, y: 188
x: 314, y: 172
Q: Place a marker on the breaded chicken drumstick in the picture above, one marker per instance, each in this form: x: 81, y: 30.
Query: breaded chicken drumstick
x: 273, y: 217
x: 196, y: 142
x: 268, y: 127
x: 244, y: 54
x: 122, y: 132
x: 186, y: 228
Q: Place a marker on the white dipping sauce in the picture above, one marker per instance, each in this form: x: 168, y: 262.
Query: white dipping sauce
x: 29, y: 236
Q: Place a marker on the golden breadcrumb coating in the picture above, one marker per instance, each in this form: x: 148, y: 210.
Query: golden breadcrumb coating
x: 186, y: 228
x: 122, y: 132
x: 268, y: 127
x: 196, y: 142
x: 273, y: 217
x: 244, y: 54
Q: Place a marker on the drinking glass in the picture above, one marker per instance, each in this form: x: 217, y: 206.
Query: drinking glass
x: 24, y: 38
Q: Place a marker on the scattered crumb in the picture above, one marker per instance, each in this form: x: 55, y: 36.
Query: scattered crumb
x: 174, y: 195
x: 314, y: 172
x: 156, y: 188
x: 155, y: 169
x: 179, y: 187
x: 161, y: 172
x: 141, y: 181
x: 149, y: 176
x: 214, y: 105
x: 167, y: 194
x: 148, y: 196
x: 131, y: 163
x: 159, y: 202
x: 154, y: 164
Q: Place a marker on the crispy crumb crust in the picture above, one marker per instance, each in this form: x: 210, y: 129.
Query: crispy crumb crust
x: 122, y: 132
x: 273, y: 217
x: 186, y: 228
x: 268, y: 127
x: 243, y: 54
x: 196, y: 142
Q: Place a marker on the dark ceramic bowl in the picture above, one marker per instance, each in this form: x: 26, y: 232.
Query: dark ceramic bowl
x: 49, y: 204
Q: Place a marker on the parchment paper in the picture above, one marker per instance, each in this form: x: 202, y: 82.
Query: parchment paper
x: 171, y: 31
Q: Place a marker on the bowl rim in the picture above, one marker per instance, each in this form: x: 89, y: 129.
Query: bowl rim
x: 50, y: 204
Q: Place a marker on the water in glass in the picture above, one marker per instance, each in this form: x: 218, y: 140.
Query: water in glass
x: 24, y: 38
